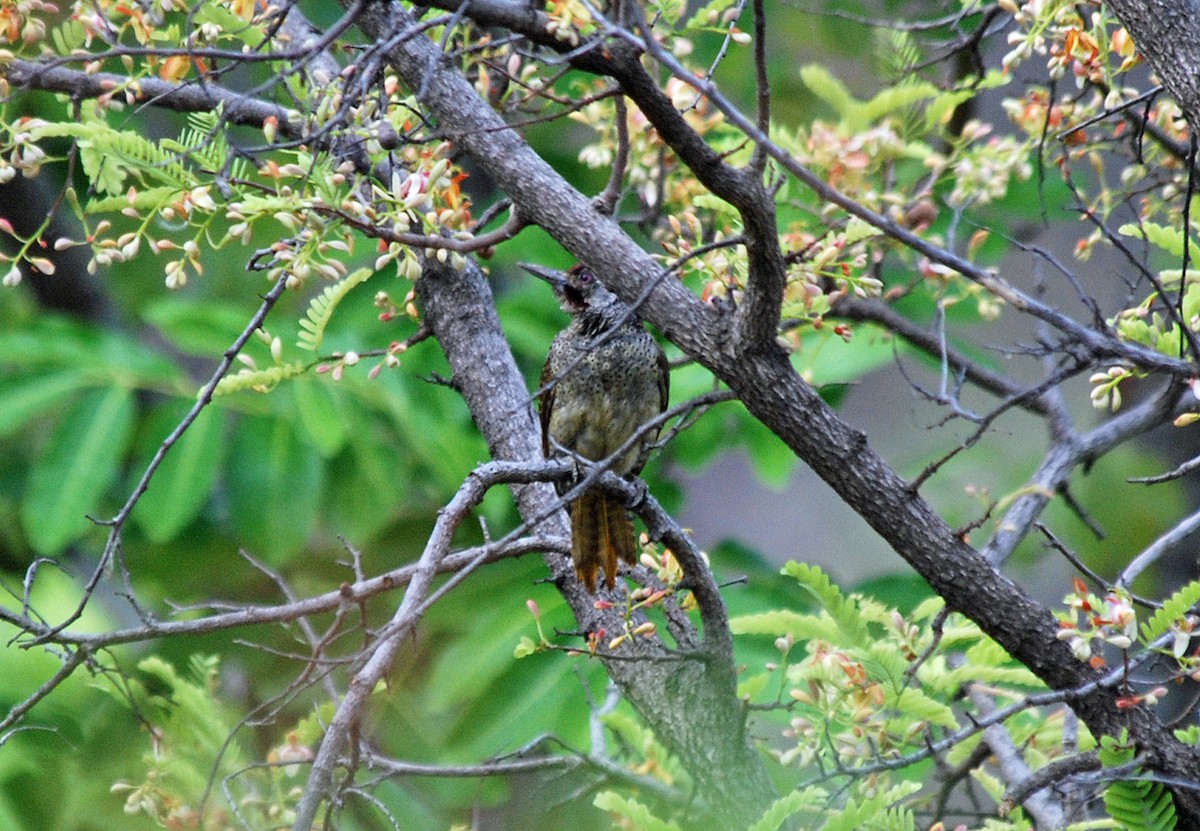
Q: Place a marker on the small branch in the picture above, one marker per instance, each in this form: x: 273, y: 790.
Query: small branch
x: 511, y: 227
x: 394, y: 767
x: 316, y: 644
x: 352, y: 593
x: 383, y: 652
x: 74, y: 660
x: 876, y: 311
x: 1062, y: 458
x: 116, y: 524
x: 758, y: 318
x: 1046, y: 812
x: 606, y: 200
x: 418, y: 596
x: 181, y: 97
x: 758, y: 161
x: 1162, y: 546
x: 1178, y: 473
x: 1058, y: 545
x: 1048, y: 776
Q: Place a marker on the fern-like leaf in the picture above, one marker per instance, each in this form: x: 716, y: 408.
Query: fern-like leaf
x: 842, y: 609
x: 787, y: 806
x: 110, y: 155
x: 144, y: 201
x: 956, y: 678
x: 259, y: 380
x: 1169, y: 239
x: 320, y: 309
x: 637, y: 814
x: 917, y: 705
x: 206, y: 139
x: 1138, y: 804
x: 801, y: 627
x: 896, y: 53
x: 1173, y: 608
x: 876, y: 811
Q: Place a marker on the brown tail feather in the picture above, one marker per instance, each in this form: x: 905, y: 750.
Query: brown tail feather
x: 601, y: 533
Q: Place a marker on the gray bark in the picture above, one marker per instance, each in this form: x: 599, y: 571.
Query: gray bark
x: 763, y: 378
x: 1167, y: 34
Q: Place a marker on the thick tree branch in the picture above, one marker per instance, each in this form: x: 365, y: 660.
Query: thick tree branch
x: 181, y: 97
x: 708, y: 735
x: 1167, y: 33
x: 767, y: 384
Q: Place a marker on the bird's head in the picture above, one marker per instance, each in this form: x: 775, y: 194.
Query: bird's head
x: 577, y: 289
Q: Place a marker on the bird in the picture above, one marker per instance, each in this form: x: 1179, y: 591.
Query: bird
x: 605, y: 377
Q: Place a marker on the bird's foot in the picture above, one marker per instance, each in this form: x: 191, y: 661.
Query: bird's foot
x: 641, y: 491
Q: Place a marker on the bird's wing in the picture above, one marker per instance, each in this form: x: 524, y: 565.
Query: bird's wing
x: 545, y: 405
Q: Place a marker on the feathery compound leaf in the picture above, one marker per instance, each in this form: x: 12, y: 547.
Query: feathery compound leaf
x: 109, y: 155
x: 876, y: 811
x: 320, y: 310
x: 637, y: 813
x: 1139, y: 805
x: 916, y: 704
x: 1168, y: 239
x: 787, y: 806
x: 842, y: 609
x: 801, y: 627
x: 1173, y: 609
x: 205, y: 140
x: 259, y: 380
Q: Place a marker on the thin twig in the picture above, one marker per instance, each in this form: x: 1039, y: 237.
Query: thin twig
x: 117, y: 523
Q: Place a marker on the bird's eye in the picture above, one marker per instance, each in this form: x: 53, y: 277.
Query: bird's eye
x: 586, y: 277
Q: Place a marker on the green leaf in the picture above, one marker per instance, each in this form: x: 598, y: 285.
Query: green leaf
x: 828, y: 88
x: 1189, y: 734
x: 790, y: 805
x: 194, y: 326
x: 83, y: 455
x: 183, y: 482
x: 525, y: 647
x: 842, y: 609
x: 274, y: 487
x: 750, y: 688
x: 954, y: 679
x: 322, y: 307
x: 321, y: 420
x: 367, y: 479
x: 635, y: 812
x: 1173, y: 609
x: 772, y: 459
x: 891, y: 99
x: 785, y: 622
x: 912, y: 702
x: 144, y: 201
x: 1169, y: 239
x: 875, y: 811
x: 1139, y: 805
x: 25, y: 397
x: 58, y: 342
x: 938, y: 110
x: 824, y: 358
x: 499, y: 719
x: 229, y: 23
x: 108, y: 155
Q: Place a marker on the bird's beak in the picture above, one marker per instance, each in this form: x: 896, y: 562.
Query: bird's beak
x: 558, y: 279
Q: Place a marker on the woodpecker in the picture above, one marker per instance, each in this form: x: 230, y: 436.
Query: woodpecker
x: 605, y: 377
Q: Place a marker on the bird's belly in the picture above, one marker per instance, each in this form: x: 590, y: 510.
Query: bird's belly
x: 598, y: 407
